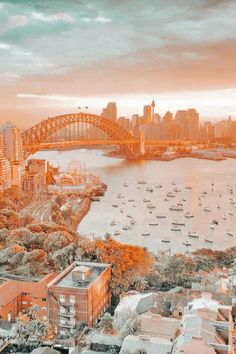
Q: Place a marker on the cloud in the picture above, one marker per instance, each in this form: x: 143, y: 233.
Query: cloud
x: 102, y: 19
x: 9, y: 76
x: 60, y: 16
x: 86, y: 19
x: 54, y: 97
x: 5, y: 46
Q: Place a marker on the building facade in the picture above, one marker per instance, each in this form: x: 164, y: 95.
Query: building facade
x: 79, y: 294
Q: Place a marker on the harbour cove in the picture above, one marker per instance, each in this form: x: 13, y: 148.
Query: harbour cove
x: 176, y: 206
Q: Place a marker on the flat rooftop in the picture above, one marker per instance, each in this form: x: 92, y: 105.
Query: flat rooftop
x: 66, y: 280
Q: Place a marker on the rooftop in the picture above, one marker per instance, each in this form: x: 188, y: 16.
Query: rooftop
x: 65, y: 279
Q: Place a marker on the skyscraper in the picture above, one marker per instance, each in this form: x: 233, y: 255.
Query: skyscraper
x: 110, y: 112
x: 193, y: 124
x: 147, y: 114
x: 12, y: 143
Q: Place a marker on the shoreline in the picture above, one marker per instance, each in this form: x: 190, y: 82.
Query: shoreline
x: 81, y: 213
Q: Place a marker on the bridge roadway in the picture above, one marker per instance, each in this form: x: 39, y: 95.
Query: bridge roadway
x: 62, y: 144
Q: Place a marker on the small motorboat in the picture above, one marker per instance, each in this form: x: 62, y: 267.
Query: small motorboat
x: 117, y: 233
x: 207, y: 209
x: 126, y: 227
x: 153, y: 223
x: 188, y: 215
x: 166, y: 239
x: 150, y: 206
x: 187, y: 243
x: 208, y: 240
x: 175, y: 208
x: 230, y: 233
x: 178, y: 223
x: 145, y: 234
x: 175, y: 229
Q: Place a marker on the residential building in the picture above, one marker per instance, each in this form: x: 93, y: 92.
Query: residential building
x: 35, y: 178
x: 5, y: 174
x: 135, y: 301
x: 12, y: 143
x: 80, y: 293
x: 23, y: 295
x: 206, y: 328
x: 17, y: 173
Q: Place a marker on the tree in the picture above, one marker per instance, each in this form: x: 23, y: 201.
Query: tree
x: 128, y: 262
x: 126, y: 322
x: 27, y: 219
x: 106, y: 323
x: 28, y: 327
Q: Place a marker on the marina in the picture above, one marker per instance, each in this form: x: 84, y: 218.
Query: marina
x: 191, y: 177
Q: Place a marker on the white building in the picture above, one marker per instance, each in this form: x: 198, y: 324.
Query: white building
x: 206, y: 328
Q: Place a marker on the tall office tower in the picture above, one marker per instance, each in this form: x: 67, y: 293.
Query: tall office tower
x: 166, y: 125
x: 181, y: 123
x: 13, y: 150
x: 135, y: 120
x: 147, y: 114
x: 157, y: 118
x: 193, y: 124
x: 124, y: 123
x: 110, y: 112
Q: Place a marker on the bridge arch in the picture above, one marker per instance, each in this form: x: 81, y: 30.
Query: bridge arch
x: 39, y: 134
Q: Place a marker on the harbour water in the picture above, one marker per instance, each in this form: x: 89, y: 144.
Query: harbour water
x: 124, y: 200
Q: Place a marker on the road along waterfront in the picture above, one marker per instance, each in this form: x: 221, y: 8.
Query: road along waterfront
x: 210, y: 196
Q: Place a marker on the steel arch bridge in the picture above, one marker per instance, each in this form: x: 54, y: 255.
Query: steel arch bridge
x: 42, y: 135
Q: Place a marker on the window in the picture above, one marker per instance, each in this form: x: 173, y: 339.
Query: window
x: 62, y: 298
x: 44, y: 299
x: 44, y: 318
x: 62, y: 310
x: 44, y: 308
x: 24, y: 293
x: 72, y: 299
x: 24, y: 302
x: 62, y: 320
x: 72, y: 310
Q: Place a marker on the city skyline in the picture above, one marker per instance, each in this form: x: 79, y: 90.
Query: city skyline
x: 179, y: 54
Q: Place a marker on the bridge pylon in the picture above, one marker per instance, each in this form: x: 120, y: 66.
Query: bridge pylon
x: 141, y: 143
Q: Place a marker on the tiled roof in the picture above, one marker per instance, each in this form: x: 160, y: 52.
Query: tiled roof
x: 10, y: 289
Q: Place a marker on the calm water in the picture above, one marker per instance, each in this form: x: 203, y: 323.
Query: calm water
x: 214, y: 178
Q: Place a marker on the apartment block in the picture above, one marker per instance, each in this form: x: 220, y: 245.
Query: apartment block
x: 17, y: 295
x: 79, y: 293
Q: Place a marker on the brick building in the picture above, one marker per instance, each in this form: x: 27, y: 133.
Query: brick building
x: 79, y: 293
x: 19, y: 295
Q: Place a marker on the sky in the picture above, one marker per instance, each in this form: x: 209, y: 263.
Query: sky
x: 60, y: 54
